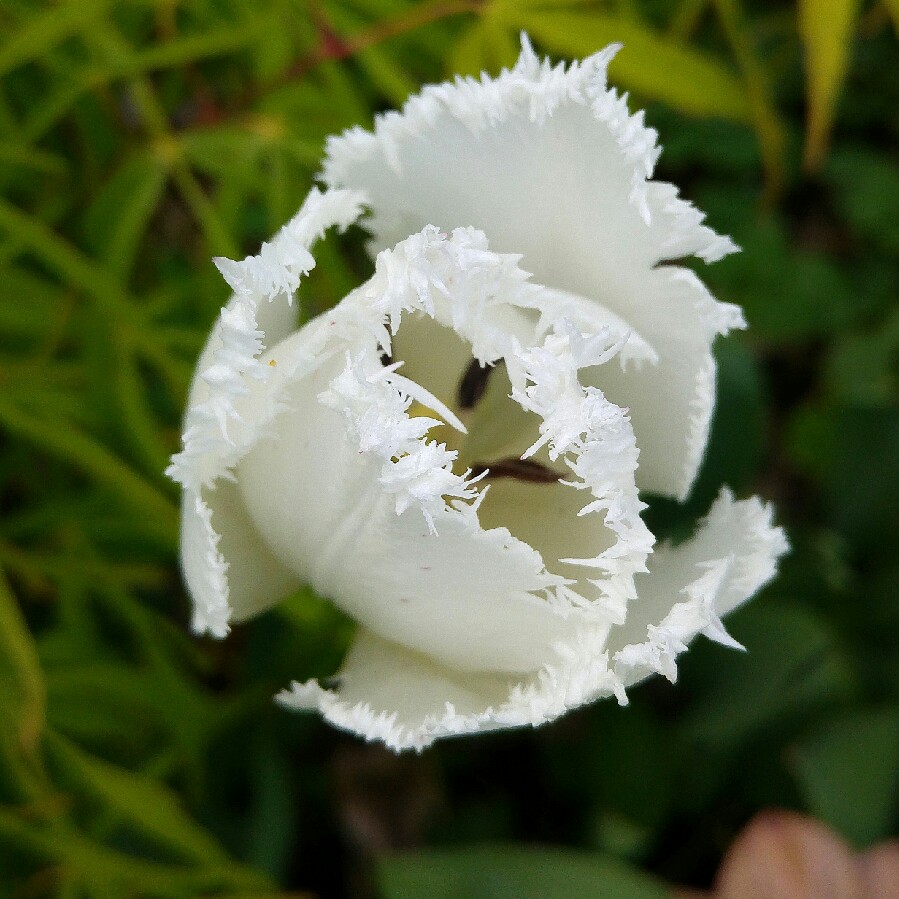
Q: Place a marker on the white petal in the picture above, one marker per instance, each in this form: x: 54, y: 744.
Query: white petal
x: 230, y: 573
x: 691, y: 586
x: 205, y: 569
x: 218, y: 426
x: 402, y: 698
x: 387, y: 693
x: 550, y: 165
x: 463, y: 595
x: 671, y: 403
x: 351, y: 496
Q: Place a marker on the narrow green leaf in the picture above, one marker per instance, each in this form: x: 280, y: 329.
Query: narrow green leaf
x: 19, y: 155
x: 386, y: 74
x: 826, y: 28
x: 120, y: 212
x: 22, y: 692
x: 512, y: 872
x: 893, y: 9
x: 769, y: 127
x: 42, y: 32
x: 486, y: 47
x: 65, y: 259
x: 154, y: 509
x: 650, y: 63
x: 28, y: 302
x: 849, y: 774
x: 106, y: 872
x: 192, y: 48
x: 151, y: 807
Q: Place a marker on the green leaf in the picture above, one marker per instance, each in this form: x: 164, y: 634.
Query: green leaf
x: 42, y: 32
x: 786, y: 294
x: 191, y: 48
x: 769, y: 127
x: 106, y: 872
x: 791, y: 669
x: 22, y: 692
x: 862, y: 369
x: 867, y: 190
x: 149, y: 806
x: 650, y: 63
x: 74, y: 267
x: 512, y: 872
x: 849, y: 774
x: 29, y: 303
x: 486, y: 47
x: 18, y: 155
x: 862, y: 487
x: 120, y: 212
x: 826, y: 28
x: 893, y: 9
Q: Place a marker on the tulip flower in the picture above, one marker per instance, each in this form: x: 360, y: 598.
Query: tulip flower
x: 454, y: 454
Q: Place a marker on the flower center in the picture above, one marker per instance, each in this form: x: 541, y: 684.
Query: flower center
x: 525, y: 496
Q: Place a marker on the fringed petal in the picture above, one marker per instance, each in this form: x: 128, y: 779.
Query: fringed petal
x: 690, y: 587
x: 230, y: 572
x: 387, y: 693
x: 217, y: 430
x: 395, y: 538
x: 550, y: 164
x: 671, y: 403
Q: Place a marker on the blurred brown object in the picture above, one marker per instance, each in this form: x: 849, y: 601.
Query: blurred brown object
x: 385, y: 800
x: 785, y: 855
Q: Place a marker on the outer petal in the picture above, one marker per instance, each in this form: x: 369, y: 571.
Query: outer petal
x: 402, y: 698
x: 549, y: 164
x: 218, y: 427
x: 230, y: 572
x: 689, y: 587
x: 406, y: 700
x: 228, y: 569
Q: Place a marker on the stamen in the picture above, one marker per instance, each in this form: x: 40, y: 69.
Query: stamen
x: 518, y: 469
x: 473, y: 384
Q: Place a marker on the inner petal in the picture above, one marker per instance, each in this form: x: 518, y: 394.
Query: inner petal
x: 473, y: 597
x: 470, y: 599
x: 526, y: 497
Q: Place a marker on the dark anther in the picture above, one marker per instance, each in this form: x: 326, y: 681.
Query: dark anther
x: 679, y: 262
x: 386, y: 359
x: 473, y: 384
x: 519, y: 469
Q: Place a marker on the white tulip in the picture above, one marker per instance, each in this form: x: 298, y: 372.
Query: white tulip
x: 453, y: 454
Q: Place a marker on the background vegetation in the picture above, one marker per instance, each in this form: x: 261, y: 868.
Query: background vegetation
x: 139, y: 139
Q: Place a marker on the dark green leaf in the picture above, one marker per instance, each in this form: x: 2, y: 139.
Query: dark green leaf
x: 511, y: 872
x: 848, y: 771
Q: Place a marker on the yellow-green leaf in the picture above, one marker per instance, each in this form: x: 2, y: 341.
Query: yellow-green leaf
x: 893, y: 9
x: 22, y: 693
x: 826, y: 27
x: 149, y: 806
x: 42, y: 32
x: 486, y: 47
x: 651, y: 64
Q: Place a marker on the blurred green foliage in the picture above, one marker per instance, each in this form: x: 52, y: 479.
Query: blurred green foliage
x: 137, y: 141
